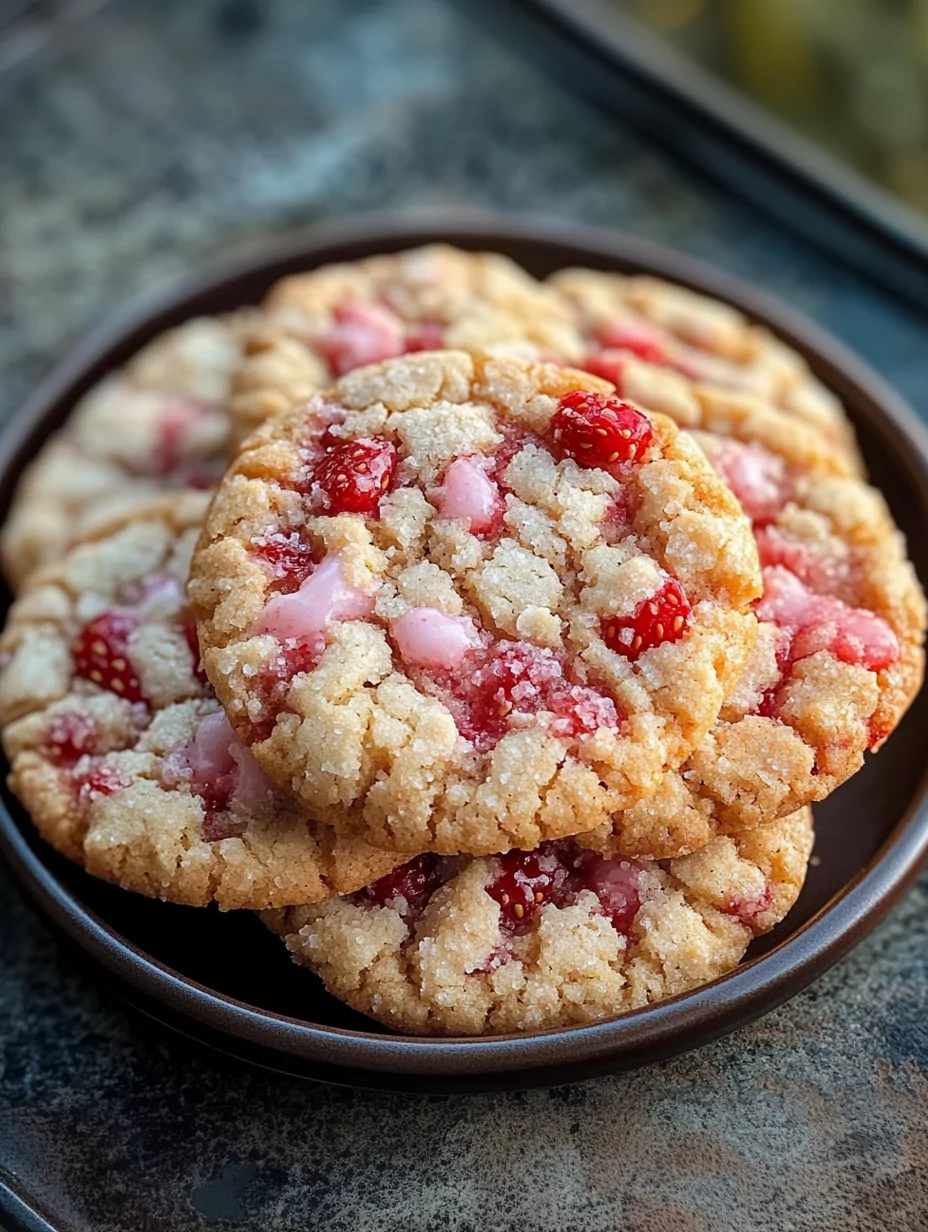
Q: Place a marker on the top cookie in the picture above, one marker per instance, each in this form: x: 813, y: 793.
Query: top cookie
x: 118, y: 747
x: 466, y: 603
x: 159, y: 422
x: 706, y: 341
x: 317, y: 326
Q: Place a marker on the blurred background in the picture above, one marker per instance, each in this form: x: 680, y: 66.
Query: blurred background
x: 850, y: 74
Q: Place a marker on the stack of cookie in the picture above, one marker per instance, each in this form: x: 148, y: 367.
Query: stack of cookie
x: 502, y: 664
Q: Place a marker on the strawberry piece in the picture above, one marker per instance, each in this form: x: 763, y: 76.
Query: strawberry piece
x: 100, y: 653
x: 362, y: 332
x: 415, y: 881
x: 521, y: 679
x: 289, y: 559
x: 617, y: 885
x: 748, y: 909
x: 426, y: 336
x: 598, y: 431
x: 69, y: 736
x: 354, y: 475
x: 525, y: 881
x: 102, y: 780
x: 626, y: 336
x: 606, y: 364
x: 664, y: 618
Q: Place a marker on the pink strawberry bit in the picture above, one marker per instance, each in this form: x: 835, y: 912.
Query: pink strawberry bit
x: 514, y: 680
x: 427, y: 637
x: 408, y: 888
x: 617, y: 885
x: 426, y: 336
x: 819, y: 569
x: 747, y: 908
x: 177, y: 417
x: 666, y: 617
x: 758, y: 478
x: 323, y: 598
x: 637, y: 337
x: 469, y: 493
x: 220, y: 770
x: 363, y: 332
x: 354, y: 475
x: 69, y: 736
x: 101, y: 780
x: 610, y: 365
x: 597, y: 431
x: 525, y: 881
x: 820, y: 622
x: 288, y: 559
x: 100, y: 653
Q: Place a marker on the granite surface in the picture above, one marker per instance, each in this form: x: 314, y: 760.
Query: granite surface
x: 165, y: 135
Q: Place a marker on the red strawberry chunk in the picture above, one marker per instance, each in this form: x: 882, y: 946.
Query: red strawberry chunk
x: 415, y: 882
x: 637, y: 338
x: 70, y: 736
x: 354, y: 475
x: 102, y: 780
x: 610, y: 365
x: 100, y: 653
x: 664, y: 618
x: 598, y: 431
x: 517, y: 679
x: 748, y: 908
x: 289, y: 560
x: 525, y: 881
x: 617, y: 885
x: 426, y: 336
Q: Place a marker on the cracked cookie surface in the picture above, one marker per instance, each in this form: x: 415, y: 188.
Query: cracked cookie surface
x: 557, y: 937
x: 118, y: 747
x: 464, y: 603
x: 159, y: 422
x: 316, y: 326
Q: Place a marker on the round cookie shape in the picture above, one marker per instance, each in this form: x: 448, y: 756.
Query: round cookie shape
x: 838, y: 657
x: 555, y: 937
x: 710, y: 344
x: 118, y: 747
x: 158, y: 423
x: 463, y: 602
x: 315, y: 327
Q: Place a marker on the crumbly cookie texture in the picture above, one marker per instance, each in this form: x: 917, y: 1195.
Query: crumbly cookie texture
x: 119, y: 749
x: 838, y: 657
x: 463, y: 602
x: 557, y: 937
x: 160, y: 422
x: 319, y: 325
x: 709, y: 343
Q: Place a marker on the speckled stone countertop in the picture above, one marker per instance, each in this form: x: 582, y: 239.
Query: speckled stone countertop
x: 168, y: 134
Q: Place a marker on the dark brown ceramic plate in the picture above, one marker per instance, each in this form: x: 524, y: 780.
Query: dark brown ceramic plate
x: 224, y: 981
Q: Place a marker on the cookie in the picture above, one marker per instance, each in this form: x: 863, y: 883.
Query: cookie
x: 317, y: 326
x: 838, y: 657
x: 557, y: 937
x: 160, y: 422
x: 119, y: 750
x: 465, y: 603
x: 707, y: 342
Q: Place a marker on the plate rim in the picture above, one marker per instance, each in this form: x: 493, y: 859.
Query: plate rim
x: 636, y: 1037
